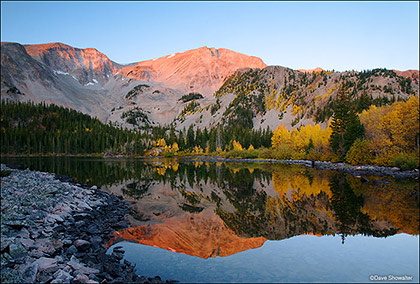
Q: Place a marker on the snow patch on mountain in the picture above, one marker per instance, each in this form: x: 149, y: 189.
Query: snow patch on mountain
x: 60, y: 72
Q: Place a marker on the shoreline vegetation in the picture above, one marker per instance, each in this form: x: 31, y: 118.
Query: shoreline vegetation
x: 378, y: 136
x: 55, y: 231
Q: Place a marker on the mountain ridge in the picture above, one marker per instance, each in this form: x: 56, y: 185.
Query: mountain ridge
x: 88, y: 81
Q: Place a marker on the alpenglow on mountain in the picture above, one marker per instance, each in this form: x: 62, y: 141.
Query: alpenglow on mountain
x: 203, y: 87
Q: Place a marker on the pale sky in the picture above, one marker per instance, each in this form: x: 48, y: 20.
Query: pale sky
x: 298, y: 35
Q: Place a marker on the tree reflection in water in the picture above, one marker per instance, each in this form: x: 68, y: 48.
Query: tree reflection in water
x: 242, y: 200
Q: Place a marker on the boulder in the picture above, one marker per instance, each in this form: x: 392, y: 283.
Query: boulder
x: 82, y: 245
x: 29, y: 271
x: 80, y: 267
x: 46, y: 263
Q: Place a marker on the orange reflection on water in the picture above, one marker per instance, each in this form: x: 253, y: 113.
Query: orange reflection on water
x: 196, y: 235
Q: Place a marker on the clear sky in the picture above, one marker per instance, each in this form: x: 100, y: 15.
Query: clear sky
x: 331, y: 35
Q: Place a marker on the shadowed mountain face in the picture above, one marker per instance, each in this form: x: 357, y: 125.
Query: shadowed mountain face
x: 84, y: 64
x: 15, y: 59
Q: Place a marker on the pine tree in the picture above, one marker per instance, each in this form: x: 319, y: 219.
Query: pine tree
x: 346, y: 126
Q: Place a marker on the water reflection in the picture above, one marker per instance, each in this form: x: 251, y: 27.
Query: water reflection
x: 209, y: 209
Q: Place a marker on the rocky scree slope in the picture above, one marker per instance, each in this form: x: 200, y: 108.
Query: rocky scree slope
x: 267, y: 97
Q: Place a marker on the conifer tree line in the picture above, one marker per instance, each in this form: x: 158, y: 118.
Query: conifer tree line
x: 29, y: 128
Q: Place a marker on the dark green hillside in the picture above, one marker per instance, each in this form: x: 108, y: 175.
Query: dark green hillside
x: 28, y: 128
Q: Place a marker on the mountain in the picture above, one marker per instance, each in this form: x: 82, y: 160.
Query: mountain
x: 261, y: 98
x: 201, y: 87
x: 412, y: 74
x: 88, y: 81
x: 200, y: 70
x: 63, y: 79
x: 84, y: 64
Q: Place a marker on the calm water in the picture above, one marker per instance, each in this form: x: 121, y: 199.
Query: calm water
x: 197, y: 221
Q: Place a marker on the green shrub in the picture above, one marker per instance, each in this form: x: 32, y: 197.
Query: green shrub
x: 242, y: 154
x: 265, y: 153
x: 405, y: 161
x: 168, y: 154
x: 190, y: 97
x: 359, y: 153
x: 283, y: 152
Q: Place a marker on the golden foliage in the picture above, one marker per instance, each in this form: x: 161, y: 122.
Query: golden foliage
x: 392, y: 129
x: 299, y: 139
x: 161, y: 143
x: 237, y: 146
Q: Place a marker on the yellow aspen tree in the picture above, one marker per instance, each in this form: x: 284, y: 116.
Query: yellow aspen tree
x: 281, y: 136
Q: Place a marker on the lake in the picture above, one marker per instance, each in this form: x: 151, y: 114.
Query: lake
x: 198, y: 221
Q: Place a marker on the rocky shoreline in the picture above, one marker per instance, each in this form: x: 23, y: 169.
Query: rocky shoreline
x: 55, y: 231
x: 320, y: 165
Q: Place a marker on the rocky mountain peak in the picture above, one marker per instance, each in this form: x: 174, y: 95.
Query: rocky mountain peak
x: 199, y: 70
x: 65, y: 58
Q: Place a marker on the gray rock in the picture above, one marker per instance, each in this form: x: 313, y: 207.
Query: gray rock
x: 56, y: 218
x: 62, y: 276
x: 29, y: 272
x: 68, y: 269
x: 82, y: 245
x: 84, y: 206
x: 17, y: 251
x: 16, y: 224
x: 47, y: 248
x: 5, y: 245
x: 46, y: 263
x: 28, y: 243
x: 71, y: 250
x: 118, y: 255
x: 81, y: 268
x: 59, y: 259
x: 23, y: 233
x: 36, y: 253
x: 57, y: 244
x: 81, y: 278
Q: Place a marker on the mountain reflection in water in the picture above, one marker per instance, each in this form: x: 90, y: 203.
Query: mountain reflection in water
x: 208, y: 209
x: 224, y: 220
